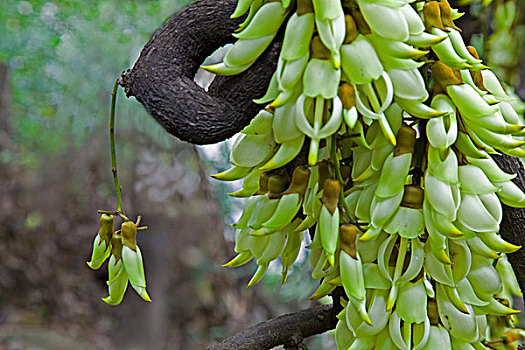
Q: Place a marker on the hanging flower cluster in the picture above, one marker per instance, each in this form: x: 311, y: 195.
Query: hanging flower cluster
x: 125, y: 259
x: 399, y: 120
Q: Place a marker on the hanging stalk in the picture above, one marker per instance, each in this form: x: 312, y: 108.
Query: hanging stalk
x: 113, y: 151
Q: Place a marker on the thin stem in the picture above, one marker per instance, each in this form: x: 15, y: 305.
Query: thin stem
x: 318, y: 121
x: 372, y: 97
x: 114, y: 212
x: 339, y: 176
x: 112, y: 147
x: 407, y: 333
x: 107, y: 212
x: 318, y: 114
x: 401, y: 253
x: 376, y: 106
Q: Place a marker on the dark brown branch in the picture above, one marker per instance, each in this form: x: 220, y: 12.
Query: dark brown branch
x: 282, y: 330
x: 512, y: 227
x: 162, y: 77
x: 295, y: 343
x: 288, y: 330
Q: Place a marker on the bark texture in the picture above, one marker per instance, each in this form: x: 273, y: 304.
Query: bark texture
x: 287, y: 329
x: 512, y: 227
x: 162, y: 77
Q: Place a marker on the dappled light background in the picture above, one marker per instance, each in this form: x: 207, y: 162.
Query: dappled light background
x: 58, y: 62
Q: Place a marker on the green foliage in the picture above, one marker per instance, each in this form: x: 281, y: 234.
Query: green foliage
x: 507, y: 42
x: 64, y: 57
x: 501, y: 37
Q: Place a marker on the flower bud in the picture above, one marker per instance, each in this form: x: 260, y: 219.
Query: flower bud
x: 106, y: 223
x: 276, y: 186
x: 445, y: 75
x: 405, y: 140
x: 347, y: 94
x: 351, y: 30
x: 476, y: 75
x: 413, y: 197
x: 331, y: 191
x: 128, y: 233
x: 263, y: 184
x: 438, y: 89
x: 347, y: 238
x: 304, y: 7
x: 116, y: 244
x: 432, y: 311
x: 102, y: 242
x: 432, y: 15
x: 472, y: 50
x: 319, y: 50
x: 299, y: 182
x: 446, y: 15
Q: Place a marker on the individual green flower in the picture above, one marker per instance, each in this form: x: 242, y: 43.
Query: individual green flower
x: 132, y: 259
x: 117, y: 279
x: 102, y: 242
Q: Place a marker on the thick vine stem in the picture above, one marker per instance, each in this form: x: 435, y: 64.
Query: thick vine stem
x: 162, y: 77
x: 288, y: 329
x: 512, y: 227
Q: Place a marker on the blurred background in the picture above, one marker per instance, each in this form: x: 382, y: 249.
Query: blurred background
x: 58, y: 62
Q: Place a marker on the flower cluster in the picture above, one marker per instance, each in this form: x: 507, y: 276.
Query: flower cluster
x: 125, y: 264
x: 400, y: 121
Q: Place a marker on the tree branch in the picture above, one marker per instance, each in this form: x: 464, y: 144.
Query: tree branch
x: 288, y: 330
x: 162, y: 77
x: 282, y: 330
